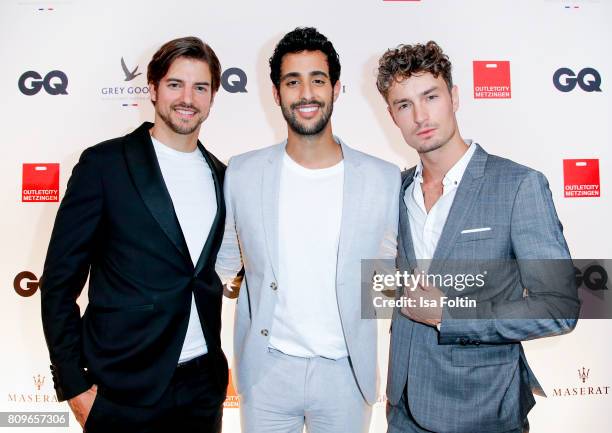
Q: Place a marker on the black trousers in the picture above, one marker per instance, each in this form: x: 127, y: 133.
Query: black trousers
x: 193, y: 402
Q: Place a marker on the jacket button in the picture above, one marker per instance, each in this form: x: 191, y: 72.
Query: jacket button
x: 273, y: 285
x: 264, y: 332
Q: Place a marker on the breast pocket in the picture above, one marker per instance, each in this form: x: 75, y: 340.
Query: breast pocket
x: 478, y: 233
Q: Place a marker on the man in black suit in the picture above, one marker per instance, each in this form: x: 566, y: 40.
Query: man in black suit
x: 143, y: 215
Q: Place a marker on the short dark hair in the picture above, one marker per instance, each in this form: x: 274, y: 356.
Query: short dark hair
x: 406, y: 60
x: 190, y: 47
x: 304, y: 39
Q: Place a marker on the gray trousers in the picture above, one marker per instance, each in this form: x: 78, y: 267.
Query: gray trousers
x: 318, y: 393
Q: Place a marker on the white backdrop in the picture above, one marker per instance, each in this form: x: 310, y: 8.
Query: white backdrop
x: 539, y: 126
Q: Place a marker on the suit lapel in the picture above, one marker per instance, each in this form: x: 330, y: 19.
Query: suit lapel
x: 217, y: 174
x: 145, y: 172
x: 406, y: 235
x: 462, y: 204
x: 270, y: 189
x: 352, y: 198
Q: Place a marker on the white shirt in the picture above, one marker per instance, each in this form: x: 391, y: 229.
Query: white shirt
x: 192, y: 189
x: 306, y: 320
x: 426, y: 228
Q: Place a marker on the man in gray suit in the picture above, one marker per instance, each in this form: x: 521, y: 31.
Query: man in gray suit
x: 459, y: 207
x: 300, y: 217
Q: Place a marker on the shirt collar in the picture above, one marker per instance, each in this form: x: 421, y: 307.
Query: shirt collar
x: 454, y: 175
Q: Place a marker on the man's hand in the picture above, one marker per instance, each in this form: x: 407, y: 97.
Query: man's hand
x: 82, y: 403
x: 426, y: 308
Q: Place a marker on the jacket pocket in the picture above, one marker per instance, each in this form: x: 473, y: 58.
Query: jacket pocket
x: 477, y: 356
x: 476, y: 234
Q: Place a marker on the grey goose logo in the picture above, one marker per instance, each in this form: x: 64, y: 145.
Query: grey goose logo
x: 129, y: 93
x: 129, y: 75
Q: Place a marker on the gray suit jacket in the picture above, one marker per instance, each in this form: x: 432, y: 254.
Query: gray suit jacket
x: 473, y: 376
x: 368, y: 230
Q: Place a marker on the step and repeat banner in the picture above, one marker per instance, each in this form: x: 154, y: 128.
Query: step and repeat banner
x: 533, y: 78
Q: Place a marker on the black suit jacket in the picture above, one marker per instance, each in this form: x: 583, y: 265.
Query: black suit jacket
x: 117, y: 224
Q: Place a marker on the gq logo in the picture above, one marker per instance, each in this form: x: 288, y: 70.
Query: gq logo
x: 234, y: 80
x: 593, y: 277
x: 54, y: 83
x: 588, y: 79
x: 31, y: 284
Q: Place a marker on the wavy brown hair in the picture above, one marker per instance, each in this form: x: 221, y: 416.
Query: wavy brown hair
x: 407, y: 60
x: 190, y: 47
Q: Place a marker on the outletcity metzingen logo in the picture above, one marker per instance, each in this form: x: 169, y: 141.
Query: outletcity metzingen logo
x: 581, y: 178
x: 492, y: 79
x: 40, y: 182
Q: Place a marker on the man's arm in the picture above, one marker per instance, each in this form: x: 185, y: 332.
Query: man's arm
x: 64, y: 275
x: 229, y: 259
x: 551, y: 305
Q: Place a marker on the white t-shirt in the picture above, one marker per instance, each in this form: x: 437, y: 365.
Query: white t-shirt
x: 191, y: 186
x: 306, y: 319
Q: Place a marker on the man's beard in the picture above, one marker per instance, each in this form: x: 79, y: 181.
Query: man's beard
x: 437, y: 144
x: 180, y: 128
x: 432, y: 146
x: 300, y: 128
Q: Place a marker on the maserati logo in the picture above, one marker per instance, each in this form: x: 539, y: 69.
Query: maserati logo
x: 583, y: 374
x: 39, y: 381
x: 129, y: 75
x: 583, y: 390
x: 37, y: 396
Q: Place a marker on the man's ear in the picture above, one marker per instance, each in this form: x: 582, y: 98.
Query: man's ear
x: 152, y: 92
x: 276, y: 95
x: 337, y: 88
x: 455, y: 98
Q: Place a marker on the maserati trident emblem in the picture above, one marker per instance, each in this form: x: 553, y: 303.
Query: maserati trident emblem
x: 583, y: 374
x: 38, y: 381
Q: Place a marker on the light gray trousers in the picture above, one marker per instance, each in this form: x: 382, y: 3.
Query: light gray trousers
x: 318, y: 393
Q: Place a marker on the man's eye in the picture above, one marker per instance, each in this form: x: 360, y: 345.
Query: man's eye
x: 173, y: 85
x: 201, y: 89
x: 430, y: 97
x: 319, y: 82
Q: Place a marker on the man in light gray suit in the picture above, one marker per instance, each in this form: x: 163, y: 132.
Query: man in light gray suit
x: 300, y: 217
x: 459, y: 207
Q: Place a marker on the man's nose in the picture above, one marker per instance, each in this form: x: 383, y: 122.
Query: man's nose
x: 420, y: 113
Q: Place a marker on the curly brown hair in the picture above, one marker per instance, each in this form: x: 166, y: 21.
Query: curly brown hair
x: 406, y: 60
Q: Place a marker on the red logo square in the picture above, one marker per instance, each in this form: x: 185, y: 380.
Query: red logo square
x: 40, y: 182
x: 232, y: 400
x: 581, y: 177
x: 492, y: 79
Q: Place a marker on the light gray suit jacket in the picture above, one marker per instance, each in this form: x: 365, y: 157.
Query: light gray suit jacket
x: 368, y: 230
x: 473, y: 376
